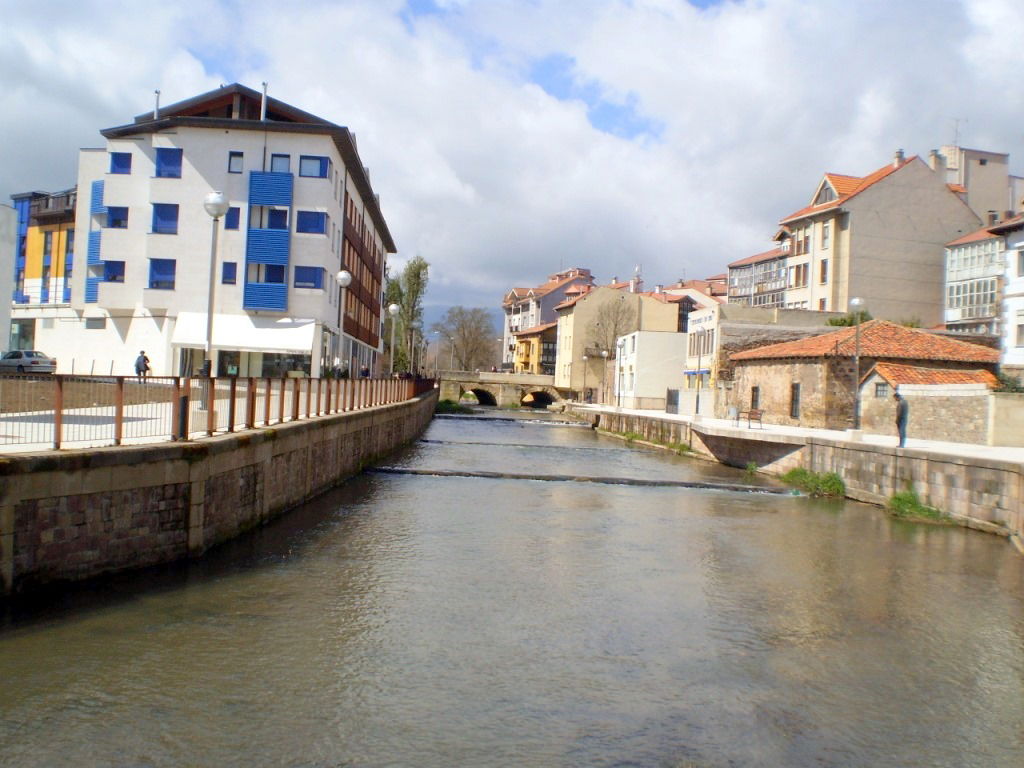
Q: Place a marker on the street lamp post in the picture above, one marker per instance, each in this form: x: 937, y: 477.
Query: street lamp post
x: 393, y: 310
x: 856, y: 304
x: 344, y: 279
x: 604, y: 374
x: 216, y: 204
x: 451, y: 361
x: 620, y: 345
x: 585, y: 358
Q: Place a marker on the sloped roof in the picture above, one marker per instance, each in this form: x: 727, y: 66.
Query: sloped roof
x: 516, y: 294
x: 757, y: 258
x: 879, y: 339
x: 535, y: 329
x: 980, y: 234
x: 1009, y: 225
x: 851, y: 184
x: 897, y: 373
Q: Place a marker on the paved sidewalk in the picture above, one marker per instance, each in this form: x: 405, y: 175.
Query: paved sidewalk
x: 959, y: 450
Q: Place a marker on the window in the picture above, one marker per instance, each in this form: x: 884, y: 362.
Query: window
x: 317, y: 167
x: 165, y: 218
x: 826, y: 234
x: 266, y: 273
x: 794, y: 401
x: 113, y: 271
x: 161, y: 274
x: 277, y: 218
x: 1020, y: 263
x: 755, y: 398
x: 309, y: 277
x: 881, y: 389
x: 228, y: 273
x: 822, y: 305
x: 69, y: 243
x: 168, y: 163
x: 313, y: 222
x: 231, y: 218
x: 798, y: 275
x: 823, y: 271
x: 235, y: 162
x: 47, y: 244
x: 120, y: 162
x: 95, y: 323
x: 280, y: 163
x: 117, y: 217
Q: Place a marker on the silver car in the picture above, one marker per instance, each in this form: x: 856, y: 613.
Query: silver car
x: 27, y: 361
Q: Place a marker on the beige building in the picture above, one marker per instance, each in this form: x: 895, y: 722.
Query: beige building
x: 589, y: 324
x: 647, y: 365
x: 983, y: 180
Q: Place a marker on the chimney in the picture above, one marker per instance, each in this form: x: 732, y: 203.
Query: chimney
x: 156, y: 107
x: 897, y: 158
x: 659, y: 288
x: 263, y: 103
x: 993, y: 218
x: 937, y: 163
x: 615, y: 279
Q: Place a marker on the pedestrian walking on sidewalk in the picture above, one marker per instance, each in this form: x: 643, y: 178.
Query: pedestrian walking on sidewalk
x: 902, y: 416
x: 141, y: 365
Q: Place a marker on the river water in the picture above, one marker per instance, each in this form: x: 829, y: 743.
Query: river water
x: 411, y: 620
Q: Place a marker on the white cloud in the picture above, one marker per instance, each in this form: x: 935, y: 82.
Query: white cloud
x: 498, y: 183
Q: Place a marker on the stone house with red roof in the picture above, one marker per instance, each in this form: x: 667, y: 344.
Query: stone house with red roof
x: 813, y: 382
x: 945, y: 404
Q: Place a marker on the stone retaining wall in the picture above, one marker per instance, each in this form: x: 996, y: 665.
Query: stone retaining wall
x: 985, y: 494
x: 76, y: 514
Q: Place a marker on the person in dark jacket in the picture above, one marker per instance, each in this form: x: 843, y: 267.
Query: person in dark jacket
x: 902, y: 416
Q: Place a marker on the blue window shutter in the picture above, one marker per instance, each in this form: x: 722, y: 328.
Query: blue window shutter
x: 165, y: 218
x: 168, y: 163
x: 120, y: 162
x: 229, y: 272
x: 161, y: 273
x: 270, y: 188
x: 311, y: 221
x: 231, y: 218
x: 96, y: 198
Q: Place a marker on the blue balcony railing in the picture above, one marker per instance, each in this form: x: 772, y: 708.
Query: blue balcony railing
x: 271, y: 296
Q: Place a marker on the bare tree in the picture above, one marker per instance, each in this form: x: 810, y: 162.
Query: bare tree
x: 467, y: 338
x: 615, y: 317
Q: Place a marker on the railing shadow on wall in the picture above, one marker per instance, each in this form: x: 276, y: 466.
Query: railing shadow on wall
x: 69, y: 411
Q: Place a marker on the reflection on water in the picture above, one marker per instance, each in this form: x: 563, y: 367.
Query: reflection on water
x: 438, y: 621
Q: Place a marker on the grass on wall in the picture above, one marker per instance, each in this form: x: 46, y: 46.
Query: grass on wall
x: 907, y: 505
x: 822, y: 484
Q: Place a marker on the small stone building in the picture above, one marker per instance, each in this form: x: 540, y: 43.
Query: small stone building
x: 813, y: 382
x: 945, y: 404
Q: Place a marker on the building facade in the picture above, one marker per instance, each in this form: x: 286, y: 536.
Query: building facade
x: 300, y: 209
x: 8, y: 238
x: 1012, y: 305
x: 527, y: 308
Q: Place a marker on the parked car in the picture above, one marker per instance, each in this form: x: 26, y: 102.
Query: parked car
x: 27, y: 361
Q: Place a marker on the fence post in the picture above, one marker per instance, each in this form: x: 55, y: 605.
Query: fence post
x: 58, y: 410
x: 211, y: 404
x: 118, y: 409
x: 309, y: 396
x: 175, y: 416
x: 250, y: 403
x: 231, y: 407
x: 284, y: 389
x: 295, y: 400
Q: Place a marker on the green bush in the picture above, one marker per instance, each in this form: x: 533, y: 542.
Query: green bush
x: 751, y: 468
x: 827, y: 484
x: 449, y: 406
x: 907, y: 504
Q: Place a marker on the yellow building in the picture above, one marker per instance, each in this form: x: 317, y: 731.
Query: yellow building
x: 535, y: 349
x: 44, y: 252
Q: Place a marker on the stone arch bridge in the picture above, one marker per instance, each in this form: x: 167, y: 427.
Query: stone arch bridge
x: 501, y: 389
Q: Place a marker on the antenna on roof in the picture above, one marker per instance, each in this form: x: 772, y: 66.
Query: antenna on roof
x: 956, y: 129
x: 156, y: 107
x: 263, y: 103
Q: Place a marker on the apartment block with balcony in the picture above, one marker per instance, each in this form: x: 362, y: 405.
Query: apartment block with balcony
x: 527, y: 308
x: 759, y: 280
x: 1011, y: 307
x: 880, y: 237
x: 975, y: 270
x: 301, y: 208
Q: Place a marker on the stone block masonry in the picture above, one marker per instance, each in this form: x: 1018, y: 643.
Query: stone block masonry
x: 66, y: 516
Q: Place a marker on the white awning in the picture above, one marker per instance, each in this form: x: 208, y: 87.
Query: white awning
x: 249, y: 333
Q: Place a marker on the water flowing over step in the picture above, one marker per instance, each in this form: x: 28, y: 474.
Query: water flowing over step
x: 711, y: 486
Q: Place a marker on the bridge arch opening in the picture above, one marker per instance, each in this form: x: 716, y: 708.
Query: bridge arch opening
x: 483, y: 397
x: 536, y: 399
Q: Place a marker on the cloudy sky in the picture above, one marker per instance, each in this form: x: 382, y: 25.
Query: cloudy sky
x: 510, y: 138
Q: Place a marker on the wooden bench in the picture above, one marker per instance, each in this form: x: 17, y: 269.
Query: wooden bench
x: 754, y: 414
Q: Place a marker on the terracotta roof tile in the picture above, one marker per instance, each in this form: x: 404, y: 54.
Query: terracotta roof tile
x: 973, y: 237
x: 535, y: 329
x: 757, y: 258
x: 1009, y: 225
x: 847, y: 183
x: 896, y: 374
x: 879, y: 339
x: 960, y: 189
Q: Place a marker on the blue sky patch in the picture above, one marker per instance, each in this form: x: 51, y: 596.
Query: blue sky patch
x: 555, y: 75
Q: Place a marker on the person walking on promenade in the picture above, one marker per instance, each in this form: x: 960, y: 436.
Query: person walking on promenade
x: 902, y: 416
x: 141, y: 364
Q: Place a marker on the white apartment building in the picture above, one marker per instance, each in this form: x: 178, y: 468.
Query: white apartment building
x: 300, y: 209
x: 648, y: 364
x: 1012, y: 353
x: 975, y: 267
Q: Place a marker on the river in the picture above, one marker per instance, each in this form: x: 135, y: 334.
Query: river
x: 418, y: 620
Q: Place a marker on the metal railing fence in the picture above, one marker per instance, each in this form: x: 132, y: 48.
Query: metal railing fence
x: 56, y: 411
